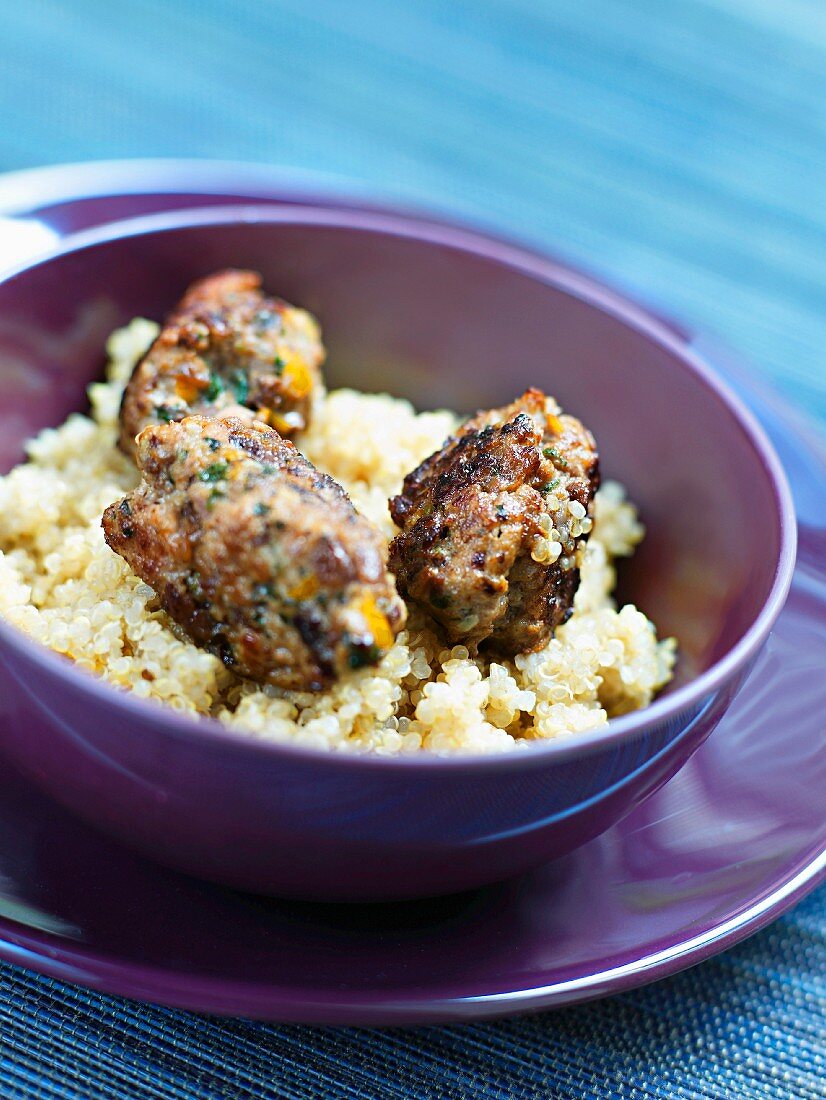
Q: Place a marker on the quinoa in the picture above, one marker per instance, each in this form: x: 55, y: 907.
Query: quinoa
x: 61, y: 584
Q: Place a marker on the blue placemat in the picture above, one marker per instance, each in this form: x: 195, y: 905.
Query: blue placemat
x: 676, y: 146
x: 746, y: 1026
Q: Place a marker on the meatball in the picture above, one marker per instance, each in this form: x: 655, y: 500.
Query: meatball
x: 491, y: 525
x: 261, y: 558
x: 227, y: 348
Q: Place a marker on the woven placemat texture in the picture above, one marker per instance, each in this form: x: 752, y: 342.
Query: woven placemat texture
x: 678, y: 148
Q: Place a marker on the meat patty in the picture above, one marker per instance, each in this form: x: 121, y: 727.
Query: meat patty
x: 227, y: 348
x: 261, y: 558
x: 491, y: 525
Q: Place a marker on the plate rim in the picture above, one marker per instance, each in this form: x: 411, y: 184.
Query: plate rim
x: 216, y: 996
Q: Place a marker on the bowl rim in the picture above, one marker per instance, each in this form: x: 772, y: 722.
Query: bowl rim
x: 524, y: 259
x: 24, y: 191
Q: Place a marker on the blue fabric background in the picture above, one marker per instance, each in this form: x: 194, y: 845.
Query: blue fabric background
x: 677, y: 147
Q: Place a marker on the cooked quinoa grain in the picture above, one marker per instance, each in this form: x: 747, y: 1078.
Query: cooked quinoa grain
x: 60, y: 583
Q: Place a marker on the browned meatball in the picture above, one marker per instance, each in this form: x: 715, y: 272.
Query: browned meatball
x: 258, y: 556
x: 227, y: 348
x: 491, y: 524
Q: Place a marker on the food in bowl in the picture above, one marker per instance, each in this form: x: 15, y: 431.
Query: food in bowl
x: 492, y: 525
x: 444, y: 682
x: 227, y: 348
x: 260, y: 558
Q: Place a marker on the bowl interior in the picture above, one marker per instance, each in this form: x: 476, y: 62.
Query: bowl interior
x: 442, y: 321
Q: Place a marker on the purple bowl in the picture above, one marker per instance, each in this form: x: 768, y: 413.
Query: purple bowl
x: 444, y: 316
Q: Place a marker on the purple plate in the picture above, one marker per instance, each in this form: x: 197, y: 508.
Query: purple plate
x: 731, y: 841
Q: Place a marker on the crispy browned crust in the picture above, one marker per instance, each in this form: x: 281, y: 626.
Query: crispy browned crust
x: 261, y: 558
x: 470, y: 517
x: 227, y: 348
